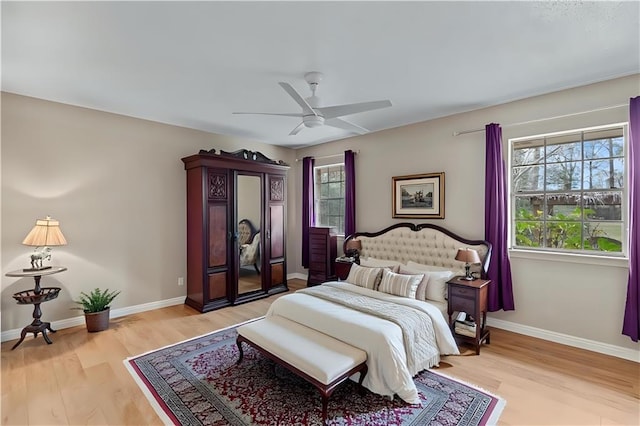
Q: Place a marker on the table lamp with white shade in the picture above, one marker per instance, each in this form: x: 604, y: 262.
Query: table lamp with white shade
x: 45, y: 233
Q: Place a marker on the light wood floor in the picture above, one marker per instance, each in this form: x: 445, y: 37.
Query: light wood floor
x: 81, y: 379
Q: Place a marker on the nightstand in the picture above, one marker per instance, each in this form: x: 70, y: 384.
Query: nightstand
x: 469, y: 297
x: 342, y: 269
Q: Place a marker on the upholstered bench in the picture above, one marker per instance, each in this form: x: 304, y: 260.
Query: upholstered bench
x: 323, y: 361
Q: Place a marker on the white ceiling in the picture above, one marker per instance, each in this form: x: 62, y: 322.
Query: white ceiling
x: 193, y: 63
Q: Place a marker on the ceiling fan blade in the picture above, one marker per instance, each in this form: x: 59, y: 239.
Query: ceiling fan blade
x: 291, y: 114
x: 297, y: 129
x: 340, y: 110
x: 306, y: 108
x: 346, y: 125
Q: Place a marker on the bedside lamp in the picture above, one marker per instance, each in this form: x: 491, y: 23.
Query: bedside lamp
x: 468, y: 256
x: 45, y: 233
x: 352, y: 249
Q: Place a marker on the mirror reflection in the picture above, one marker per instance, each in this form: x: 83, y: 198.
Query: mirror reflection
x: 249, y: 208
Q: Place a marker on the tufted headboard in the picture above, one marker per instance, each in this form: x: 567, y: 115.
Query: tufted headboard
x: 427, y: 244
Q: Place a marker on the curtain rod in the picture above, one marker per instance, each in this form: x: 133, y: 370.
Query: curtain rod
x: 464, y: 132
x: 329, y: 156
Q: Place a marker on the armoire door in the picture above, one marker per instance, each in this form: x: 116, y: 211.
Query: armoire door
x: 275, y: 223
x: 208, y: 238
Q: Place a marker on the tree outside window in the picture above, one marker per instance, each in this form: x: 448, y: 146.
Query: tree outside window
x: 329, y: 196
x: 567, y: 191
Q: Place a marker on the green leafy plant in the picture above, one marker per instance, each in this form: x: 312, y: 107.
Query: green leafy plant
x: 565, y: 231
x: 96, y: 301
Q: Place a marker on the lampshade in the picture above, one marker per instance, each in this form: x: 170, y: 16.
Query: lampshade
x: 46, y: 232
x: 468, y: 256
x: 354, y: 244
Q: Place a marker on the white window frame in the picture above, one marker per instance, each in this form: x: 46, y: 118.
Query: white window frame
x: 317, y: 199
x: 576, y: 256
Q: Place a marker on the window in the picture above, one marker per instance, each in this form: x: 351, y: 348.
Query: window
x: 568, y: 191
x: 329, y: 196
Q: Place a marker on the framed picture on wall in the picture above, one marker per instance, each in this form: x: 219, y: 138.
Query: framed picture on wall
x: 418, y: 196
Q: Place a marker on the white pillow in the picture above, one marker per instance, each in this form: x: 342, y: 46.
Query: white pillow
x: 400, y: 285
x: 371, y: 262
x: 437, y: 285
x: 364, y: 277
x: 422, y: 287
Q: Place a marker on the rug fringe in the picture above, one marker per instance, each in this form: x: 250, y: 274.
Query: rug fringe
x: 164, y: 417
x: 500, y: 404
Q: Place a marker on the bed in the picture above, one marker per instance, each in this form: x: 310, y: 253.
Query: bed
x: 392, y: 305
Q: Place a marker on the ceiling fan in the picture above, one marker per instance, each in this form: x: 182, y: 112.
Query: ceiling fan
x: 313, y: 115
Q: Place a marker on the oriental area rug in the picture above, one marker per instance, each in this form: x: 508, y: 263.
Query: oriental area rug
x: 197, y: 382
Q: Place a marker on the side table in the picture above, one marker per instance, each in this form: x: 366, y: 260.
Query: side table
x: 470, y: 297
x: 342, y: 269
x: 35, y: 297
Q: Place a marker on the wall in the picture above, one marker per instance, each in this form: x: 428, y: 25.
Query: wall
x: 555, y: 297
x: 117, y: 186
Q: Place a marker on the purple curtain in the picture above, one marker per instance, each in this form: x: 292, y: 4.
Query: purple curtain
x: 308, y: 216
x: 495, y: 222
x: 631, y: 324
x: 349, y: 193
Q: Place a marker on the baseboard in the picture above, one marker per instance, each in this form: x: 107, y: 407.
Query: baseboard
x: 297, y: 275
x: 565, y: 339
x: 115, y: 313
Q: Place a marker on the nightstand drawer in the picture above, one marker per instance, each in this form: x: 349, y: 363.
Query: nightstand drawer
x: 462, y: 291
x: 462, y: 304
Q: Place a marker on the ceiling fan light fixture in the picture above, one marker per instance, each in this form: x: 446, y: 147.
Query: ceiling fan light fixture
x: 312, y: 121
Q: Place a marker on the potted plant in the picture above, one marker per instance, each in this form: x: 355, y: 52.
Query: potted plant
x: 96, y: 308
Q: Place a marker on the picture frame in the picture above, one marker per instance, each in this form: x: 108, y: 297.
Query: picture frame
x: 418, y: 196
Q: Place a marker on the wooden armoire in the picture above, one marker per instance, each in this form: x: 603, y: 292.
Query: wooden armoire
x: 214, y: 193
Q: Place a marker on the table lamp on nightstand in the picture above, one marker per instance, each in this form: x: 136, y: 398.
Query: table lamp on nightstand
x: 352, y: 249
x: 468, y: 256
x: 44, y: 234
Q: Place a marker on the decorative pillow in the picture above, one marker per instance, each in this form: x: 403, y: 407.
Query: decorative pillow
x: 371, y: 262
x: 437, y: 285
x: 400, y: 285
x: 422, y: 287
x: 364, y: 277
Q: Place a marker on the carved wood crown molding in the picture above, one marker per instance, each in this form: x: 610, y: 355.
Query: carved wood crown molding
x: 245, y: 154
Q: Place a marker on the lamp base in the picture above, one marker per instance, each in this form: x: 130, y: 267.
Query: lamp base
x: 42, y: 268
x: 471, y: 278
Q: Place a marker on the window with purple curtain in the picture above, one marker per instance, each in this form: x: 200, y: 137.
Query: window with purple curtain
x: 349, y: 193
x: 495, y: 222
x: 308, y: 217
x: 631, y: 324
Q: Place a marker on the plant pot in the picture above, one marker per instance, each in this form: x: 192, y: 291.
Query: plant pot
x: 97, y: 321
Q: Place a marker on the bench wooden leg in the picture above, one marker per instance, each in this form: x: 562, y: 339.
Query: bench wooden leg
x: 239, y: 343
x: 325, y: 403
x: 363, y: 373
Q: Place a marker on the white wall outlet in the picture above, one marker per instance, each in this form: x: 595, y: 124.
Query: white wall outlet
x: 180, y: 280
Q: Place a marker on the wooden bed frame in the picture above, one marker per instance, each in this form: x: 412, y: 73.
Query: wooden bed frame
x: 422, y: 243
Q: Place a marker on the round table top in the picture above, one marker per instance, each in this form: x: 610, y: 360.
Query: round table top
x: 37, y: 273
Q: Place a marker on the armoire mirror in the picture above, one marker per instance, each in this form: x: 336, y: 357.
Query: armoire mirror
x: 249, y: 226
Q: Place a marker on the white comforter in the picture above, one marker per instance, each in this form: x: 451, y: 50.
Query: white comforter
x: 381, y: 339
